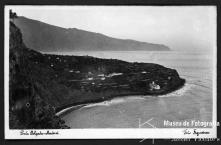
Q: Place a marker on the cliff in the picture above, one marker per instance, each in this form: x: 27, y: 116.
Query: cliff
x: 28, y: 108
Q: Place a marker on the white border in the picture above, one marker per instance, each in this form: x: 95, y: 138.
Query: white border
x: 162, y: 133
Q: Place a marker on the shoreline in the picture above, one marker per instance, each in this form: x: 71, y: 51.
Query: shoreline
x: 61, y: 111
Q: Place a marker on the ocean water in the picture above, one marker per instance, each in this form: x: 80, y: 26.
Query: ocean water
x: 193, y: 102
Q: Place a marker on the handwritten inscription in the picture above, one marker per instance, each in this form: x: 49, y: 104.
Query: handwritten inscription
x: 194, y: 132
x: 37, y: 133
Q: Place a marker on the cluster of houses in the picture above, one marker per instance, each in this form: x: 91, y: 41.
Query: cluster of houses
x: 92, y: 80
x: 97, y: 81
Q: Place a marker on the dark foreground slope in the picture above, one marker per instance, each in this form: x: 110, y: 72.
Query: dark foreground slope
x: 28, y: 108
x: 41, y: 84
x: 60, y: 39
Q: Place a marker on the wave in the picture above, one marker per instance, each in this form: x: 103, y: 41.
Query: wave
x: 104, y: 103
x: 179, y: 92
x: 67, y: 109
x: 115, y: 101
x: 119, y: 100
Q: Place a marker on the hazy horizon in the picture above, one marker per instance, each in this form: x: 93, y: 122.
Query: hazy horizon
x: 181, y: 28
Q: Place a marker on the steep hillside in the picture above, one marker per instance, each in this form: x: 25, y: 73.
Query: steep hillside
x: 44, y: 37
x: 42, y: 84
x: 28, y: 105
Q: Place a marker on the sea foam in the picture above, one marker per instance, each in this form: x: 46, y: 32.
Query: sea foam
x: 179, y: 92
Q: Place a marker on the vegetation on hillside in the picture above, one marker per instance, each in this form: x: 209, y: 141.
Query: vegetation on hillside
x: 28, y: 109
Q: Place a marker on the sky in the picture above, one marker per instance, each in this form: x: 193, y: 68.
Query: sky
x: 182, y: 28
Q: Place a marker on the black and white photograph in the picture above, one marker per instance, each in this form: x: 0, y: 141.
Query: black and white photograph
x: 110, y: 72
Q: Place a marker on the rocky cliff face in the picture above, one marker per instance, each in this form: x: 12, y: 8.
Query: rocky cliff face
x: 44, y: 37
x: 27, y: 109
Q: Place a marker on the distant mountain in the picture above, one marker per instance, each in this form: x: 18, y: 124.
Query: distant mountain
x: 44, y: 37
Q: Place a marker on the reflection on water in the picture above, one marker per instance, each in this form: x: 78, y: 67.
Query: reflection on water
x: 192, y: 102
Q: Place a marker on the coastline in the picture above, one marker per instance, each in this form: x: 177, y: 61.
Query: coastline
x: 62, y: 111
x: 49, y: 80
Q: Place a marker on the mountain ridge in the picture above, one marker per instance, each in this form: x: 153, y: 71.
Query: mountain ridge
x: 46, y: 37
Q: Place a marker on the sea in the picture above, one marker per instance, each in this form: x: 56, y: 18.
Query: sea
x: 191, y: 103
